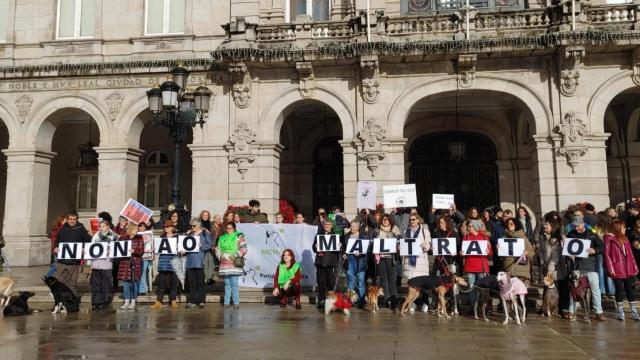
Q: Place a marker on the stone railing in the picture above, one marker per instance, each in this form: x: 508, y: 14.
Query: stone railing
x: 622, y: 16
x: 332, y: 30
x: 528, y: 19
x: 276, y: 33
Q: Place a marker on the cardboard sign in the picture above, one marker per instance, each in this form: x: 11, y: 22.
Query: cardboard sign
x: 328, y: 243
x: 576, y: 247
x: 136, y: 212
x: 399, y: 196
x: 70, y: 251
x: 444, y: 246
x: 410, y: 247
x: 95, y: 224
x: 442, y: 201
x: 166, y: 246
x: 188, y: 243
x: 120, y: 249
x: 510, y: 247
x: 147, y: 237
x: 97, y: 250
x: 357, y: 246
x: 367, y: 194
x: 474, y: 247
x: 385, y: 246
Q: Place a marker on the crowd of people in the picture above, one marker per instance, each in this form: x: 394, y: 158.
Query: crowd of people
x: 611, y: 266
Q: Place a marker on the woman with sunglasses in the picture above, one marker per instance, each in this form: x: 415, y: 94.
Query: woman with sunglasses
x: 415, y: 266
x: 518, y: 266
x: 195, y: 265
x: 231, y: 246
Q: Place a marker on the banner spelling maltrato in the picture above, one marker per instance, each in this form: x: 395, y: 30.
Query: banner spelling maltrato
x: 265, y: 244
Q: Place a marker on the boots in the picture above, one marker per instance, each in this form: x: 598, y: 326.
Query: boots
x: 620, y: 307
x: 634, y: 311
x: 156, y: 305
x: 174, y: 304
x: 132, y: 305
x: 298, y: 305
x: 283, y: 301
x: 126, y: 305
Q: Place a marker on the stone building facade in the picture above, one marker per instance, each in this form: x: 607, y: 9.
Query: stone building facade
x: 508, y: 102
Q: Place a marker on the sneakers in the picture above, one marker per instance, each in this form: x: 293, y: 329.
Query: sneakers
x: 132, y: 305
x: 125, y: 306
x: 189, y: 306
x: 620, y: 309
x: 156, y: 305
x: 201, y: 305
x: 634, y: 311
x: 236, y: 307
x: 425, y: 308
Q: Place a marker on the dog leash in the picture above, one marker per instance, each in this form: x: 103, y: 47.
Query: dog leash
x: 5, y: 264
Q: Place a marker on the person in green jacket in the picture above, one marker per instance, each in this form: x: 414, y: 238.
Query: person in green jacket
x: 286, y: 281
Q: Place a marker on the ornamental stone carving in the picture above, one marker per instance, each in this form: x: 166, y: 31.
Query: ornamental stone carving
x: 570, y: 60
x: 372, y: 135
x: 370, y: 78
x: 241, y: 90
x: 467, y: 70
x: 23, y: 105
x: 572, y: 131
x: 306, y: 79
x: 114, y: 102
x: 239, y: 147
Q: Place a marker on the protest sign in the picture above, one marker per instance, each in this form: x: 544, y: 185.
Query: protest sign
x: 576, y: 247
x: 510, y: 247
x: 120, y: 249
x: 357, y: 246
x: 444, y: 246
x: 474, y: 247
x: 385, y: 246
x: 410, y: 247
x: 136, y: 212
x: 166, y: 246
x: 367, y: 194
x: 442, y: 201
x: 188, y: 243
x: 95, y: 224
x: 400, y: 196
x: 70, y: 251
x: 147, y: 237
x: 97, y: 250
x: 328, y: 243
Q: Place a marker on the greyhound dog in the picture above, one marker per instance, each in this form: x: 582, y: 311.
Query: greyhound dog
x: 439, y: 284
x: 484, y: 286
x: 580, y: 291
x: 512, y: 288
x: 551, y: 297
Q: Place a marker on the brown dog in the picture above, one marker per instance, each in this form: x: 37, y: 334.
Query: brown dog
x: 372, y: 297
x: 6, y: 289
x: 551, y: 297
x: 439, y: 284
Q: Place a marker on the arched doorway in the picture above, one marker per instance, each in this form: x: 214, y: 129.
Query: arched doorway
x: 4, y: 144
x: 459, y: 163
x: 311, y: 171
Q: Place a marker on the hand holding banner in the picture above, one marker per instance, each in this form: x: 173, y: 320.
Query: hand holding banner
x: 327, y: 243
x: 576, y: 247
x: 410, y: 247
x: 508, y: 247
x: 444, y: 246
x: 384, y: 246
x: 188, y: 243
x: 442, y: 201
x: 474, y: 247
x: 357, y: 246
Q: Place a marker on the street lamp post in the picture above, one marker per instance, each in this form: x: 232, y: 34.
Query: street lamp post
x: 178, y: 109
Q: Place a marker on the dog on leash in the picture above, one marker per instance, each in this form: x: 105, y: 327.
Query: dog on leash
x: 512, y: 289
x: 373, y: 292
x: 6, y: 289
x: 18, y: 305
x: 580, y: 290
x: 337, y: 301
x: 483, y: 287
x: 439, y: 284
x: 551, y: 297
x: 64, y: 298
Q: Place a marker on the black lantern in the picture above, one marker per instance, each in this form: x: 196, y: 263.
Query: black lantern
x: 88, y: 155
x: 202, y: 96
x: 155, y: 100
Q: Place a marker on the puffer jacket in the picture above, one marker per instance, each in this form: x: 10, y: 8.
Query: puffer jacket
x: 195, y: 260
x: 619, y: 258
x: 124, y: 267
x: 478, y: 263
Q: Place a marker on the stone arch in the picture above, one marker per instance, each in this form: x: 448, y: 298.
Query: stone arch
x: 129, y: 123
x: 404, y: 102
x: 41, y: 130
x: 602, y: 97
x: 7, y: 117
x: 633, y: 126
x: 273, y: 116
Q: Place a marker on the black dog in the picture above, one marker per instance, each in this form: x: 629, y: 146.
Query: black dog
x: 18, y: 305
x: 64, y: 298
x: 484, y: 287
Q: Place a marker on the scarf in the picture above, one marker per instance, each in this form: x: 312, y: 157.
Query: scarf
x: 407, y: 234
x: 108, y: 237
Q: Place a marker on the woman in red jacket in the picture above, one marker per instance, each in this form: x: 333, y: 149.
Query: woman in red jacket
x: 621, y: 266
x: 130, y: 269
x: 476, y: 266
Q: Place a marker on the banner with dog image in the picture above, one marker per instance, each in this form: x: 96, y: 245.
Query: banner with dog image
x: 265, y: 244
x: 136, y: 212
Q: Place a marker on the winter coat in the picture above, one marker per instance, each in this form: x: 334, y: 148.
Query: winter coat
x: 109, y: 237
x: 528, y: 227
x: 195, y: 260
x: 326, y: 259
x: 523, y: 269
x: 124, y: 268
x: 421, y: 267
x: 439, y: 265
x: 588, y: 264
x: 550, y: 253
x: 478, y: 263
x: 72, y: 234
x: 619, y: 258
x: 479, y: 225
x: 253, y: 218
x: 226, y: 258
x: 392, y: 233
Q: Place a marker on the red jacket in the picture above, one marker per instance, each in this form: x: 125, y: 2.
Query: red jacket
x: 477, y: 263
x: 124, y: 268
x: 619, y: 258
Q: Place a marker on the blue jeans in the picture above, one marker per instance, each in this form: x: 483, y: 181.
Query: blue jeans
x: 605, y: 282
x: 231, y: 288
x: 130, y: 292
x: 357, y: 268
x: 473, y: 295
x: 596, y: 298
x: 143, y: 284
x: 52, y: 270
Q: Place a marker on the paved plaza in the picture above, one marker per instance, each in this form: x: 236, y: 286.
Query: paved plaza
x: 257, y: 331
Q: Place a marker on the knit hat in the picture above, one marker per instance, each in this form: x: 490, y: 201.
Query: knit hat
x: 589, y: 207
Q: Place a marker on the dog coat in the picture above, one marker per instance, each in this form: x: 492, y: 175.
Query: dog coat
x: 580, y: 291
x: 343, y: 302
x: 515, y: 286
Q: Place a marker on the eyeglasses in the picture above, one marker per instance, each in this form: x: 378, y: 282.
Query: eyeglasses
x: 413, y: 219
x: 192, y: 226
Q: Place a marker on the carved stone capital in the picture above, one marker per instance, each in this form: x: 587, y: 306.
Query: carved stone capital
x: 239, y: 147
x: 370, y: 78
x: 371, y: 136
x: 241, y: 89
x: 114, y: 102
x: 572, y: 131
x: 306, y: 79
x: 23, y: 105
x: 570, y: 60
x: 466, y: 68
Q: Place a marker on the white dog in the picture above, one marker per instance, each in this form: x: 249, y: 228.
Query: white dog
x: 510, y: 290
x: 6, y: 289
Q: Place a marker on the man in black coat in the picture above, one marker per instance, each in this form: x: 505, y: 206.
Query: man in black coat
x: 72, y: 231
x: 326, y: 263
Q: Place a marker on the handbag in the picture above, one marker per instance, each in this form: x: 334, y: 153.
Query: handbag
x: 238, y: 262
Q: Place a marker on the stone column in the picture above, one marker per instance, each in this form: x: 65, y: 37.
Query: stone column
x: 117, y: 177
x: 544, y: 172
x: 351, y: 175
x: 26, y: 204
x: 210, y: 178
